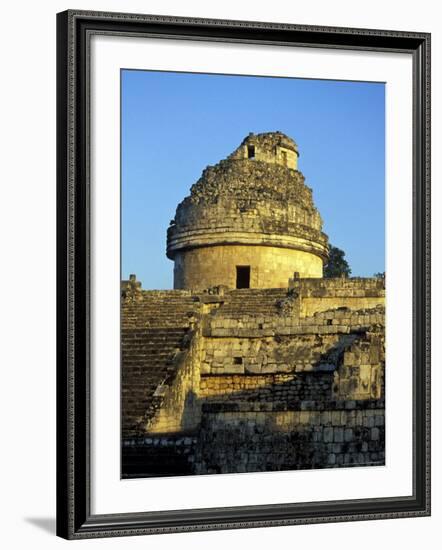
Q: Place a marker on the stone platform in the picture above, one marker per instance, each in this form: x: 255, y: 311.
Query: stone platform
x: 229, y: 381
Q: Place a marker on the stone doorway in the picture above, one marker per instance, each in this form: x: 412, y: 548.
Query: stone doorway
x: 242, y: 276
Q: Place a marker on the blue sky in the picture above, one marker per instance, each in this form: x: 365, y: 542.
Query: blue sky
x: 175, y: 124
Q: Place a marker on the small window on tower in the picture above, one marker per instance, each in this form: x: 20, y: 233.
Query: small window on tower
x: 250, y: 151
x: 284, y: 157
x: 242, y: 276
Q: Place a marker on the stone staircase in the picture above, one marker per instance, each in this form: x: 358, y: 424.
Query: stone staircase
x: 147, y: 363
x: 252, y: 302
x: 165, y: 309
x: 152, y: 333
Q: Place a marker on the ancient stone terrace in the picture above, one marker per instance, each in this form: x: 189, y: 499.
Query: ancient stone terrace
x: 253, y: 361
x: 154, y: 325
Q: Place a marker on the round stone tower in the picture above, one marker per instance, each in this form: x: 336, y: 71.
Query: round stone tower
x: 249, y: 221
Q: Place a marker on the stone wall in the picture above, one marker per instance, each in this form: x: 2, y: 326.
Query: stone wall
x: 345, y: 294
x: 180, y: 410
x: 267, y: 388
x: 270, y: 267
x: 271, y: 147
x: 259, y: 385
x: 249, y: 439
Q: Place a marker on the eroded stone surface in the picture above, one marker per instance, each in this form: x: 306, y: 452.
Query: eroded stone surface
x: 252, y: 388
x: 255, y: 212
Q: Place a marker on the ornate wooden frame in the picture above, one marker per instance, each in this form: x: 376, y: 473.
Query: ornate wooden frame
x: 74, y: 518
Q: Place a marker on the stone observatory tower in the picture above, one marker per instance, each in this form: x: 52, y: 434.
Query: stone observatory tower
x: 249, y: 221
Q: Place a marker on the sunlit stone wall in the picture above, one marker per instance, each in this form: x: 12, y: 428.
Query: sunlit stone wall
x: 270, y: 267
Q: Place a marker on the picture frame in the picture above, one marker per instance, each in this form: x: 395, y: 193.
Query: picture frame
x: 75, y: 517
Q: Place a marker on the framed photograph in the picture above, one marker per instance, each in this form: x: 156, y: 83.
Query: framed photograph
x: 243, y: 274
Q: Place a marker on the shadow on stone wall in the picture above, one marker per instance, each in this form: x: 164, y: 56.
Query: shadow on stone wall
x: 286, y: 422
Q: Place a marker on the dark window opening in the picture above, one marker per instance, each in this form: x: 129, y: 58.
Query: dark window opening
x: 284, y: 157
x: 237, y: 360
x: 242, y: 276
x: 251, y: 151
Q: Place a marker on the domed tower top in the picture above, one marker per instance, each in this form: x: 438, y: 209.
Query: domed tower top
x: 271, y: 147
x: 249, y: 221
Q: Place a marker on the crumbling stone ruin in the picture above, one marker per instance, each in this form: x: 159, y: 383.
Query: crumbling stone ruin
x: 254, y: 362
x: 252, y: 210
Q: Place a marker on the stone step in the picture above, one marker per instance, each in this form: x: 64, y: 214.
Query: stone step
x: 147, y: 362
